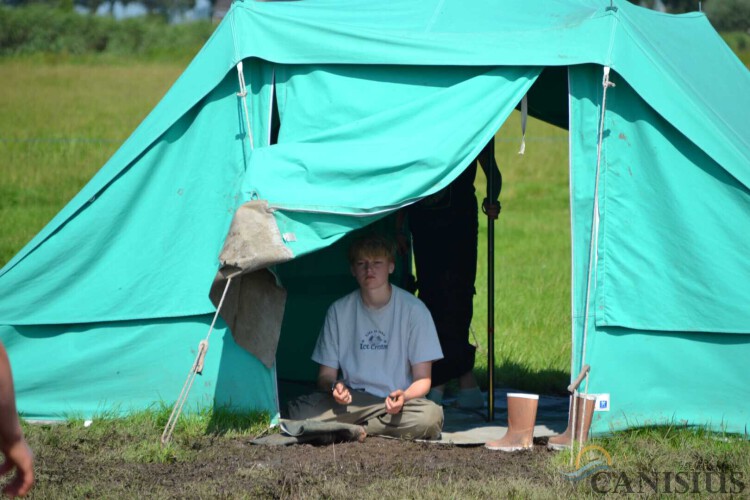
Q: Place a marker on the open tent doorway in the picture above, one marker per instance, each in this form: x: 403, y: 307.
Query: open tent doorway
x: 532, y: 263
x: 532, y: 245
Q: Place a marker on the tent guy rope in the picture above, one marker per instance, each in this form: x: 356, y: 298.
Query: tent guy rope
x: 196, y: 369
x: 593, y: 248
x: 594, y: 243
x: 524, y: 118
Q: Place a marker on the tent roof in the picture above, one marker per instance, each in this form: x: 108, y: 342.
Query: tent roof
x: 678, y: 64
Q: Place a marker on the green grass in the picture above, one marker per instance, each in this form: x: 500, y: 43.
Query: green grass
x: 59, y: 124
x: 739, y: 42
x: 644, y: 460
x: 532, y: 262
x: 136, y: 438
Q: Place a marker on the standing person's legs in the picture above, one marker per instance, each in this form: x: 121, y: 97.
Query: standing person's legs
x: 445, y: 254
x: 451, y: 312
x: 446, y: 266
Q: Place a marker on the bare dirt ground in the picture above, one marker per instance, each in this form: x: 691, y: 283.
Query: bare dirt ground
x: 221, y: 467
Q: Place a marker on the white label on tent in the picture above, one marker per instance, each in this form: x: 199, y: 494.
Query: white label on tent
x: 602, y: 402
x: 289, y: 237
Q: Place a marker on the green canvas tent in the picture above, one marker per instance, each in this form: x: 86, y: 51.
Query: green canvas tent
x: 378, y: 106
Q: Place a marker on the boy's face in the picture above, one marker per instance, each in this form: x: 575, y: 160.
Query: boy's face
x: 371, y: 271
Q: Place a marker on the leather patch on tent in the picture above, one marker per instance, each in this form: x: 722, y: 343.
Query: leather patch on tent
x: 254, y: 240
x: 253, y: 308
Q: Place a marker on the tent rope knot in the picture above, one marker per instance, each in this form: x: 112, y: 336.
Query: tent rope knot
x: 201, y: 359
x: 606, y: 82
x: 243, y: 95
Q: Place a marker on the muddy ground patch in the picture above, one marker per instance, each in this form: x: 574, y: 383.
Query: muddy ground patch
x: 223, y: 467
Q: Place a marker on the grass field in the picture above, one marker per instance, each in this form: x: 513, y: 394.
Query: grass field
x: 59, y: 124
x: 532, y: 261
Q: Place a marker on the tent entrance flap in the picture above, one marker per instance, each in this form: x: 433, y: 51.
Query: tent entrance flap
x: 347, y: 157
x: 254, y: 304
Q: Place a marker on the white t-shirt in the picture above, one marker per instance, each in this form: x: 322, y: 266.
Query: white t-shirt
x: 376, y: 348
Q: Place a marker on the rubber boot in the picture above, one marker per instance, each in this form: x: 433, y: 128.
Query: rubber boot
x: 521, y: 419
x: 584, y: 411
x: 436, y: 395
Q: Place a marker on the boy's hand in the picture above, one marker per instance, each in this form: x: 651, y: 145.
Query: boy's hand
x: 341, y: 393
x: 394, y: 403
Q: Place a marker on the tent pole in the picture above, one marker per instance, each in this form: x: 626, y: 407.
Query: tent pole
x: 490, y: 303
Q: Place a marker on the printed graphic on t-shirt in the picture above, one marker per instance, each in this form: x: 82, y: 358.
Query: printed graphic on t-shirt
x: 374, y: 340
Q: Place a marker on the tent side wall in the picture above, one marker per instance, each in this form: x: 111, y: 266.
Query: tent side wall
x: 106, y: 369
x: 146, y: 245
x: 681, y: 379
x: 117, y: 327
x: 667, y: 334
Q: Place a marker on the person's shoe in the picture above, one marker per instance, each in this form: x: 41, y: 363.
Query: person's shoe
x: 470, y: 399
x: 521, y: 419
x: 435, y: 395
x: 584, y: 411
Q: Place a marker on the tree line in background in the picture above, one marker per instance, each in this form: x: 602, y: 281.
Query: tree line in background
x: 162, y: 8
x: 38, y: 29
x: 58, y: 27
x: 725, y: 15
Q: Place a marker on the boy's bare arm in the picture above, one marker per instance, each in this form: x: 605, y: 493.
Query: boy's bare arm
x: 327, y: 381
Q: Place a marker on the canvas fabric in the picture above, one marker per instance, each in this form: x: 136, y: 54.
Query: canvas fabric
x: 667, y: 326
x: 683, y: 269
x: 247, y: 294
x: 111, y: 370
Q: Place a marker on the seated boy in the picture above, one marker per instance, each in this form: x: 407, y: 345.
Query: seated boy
x: 383, y: 341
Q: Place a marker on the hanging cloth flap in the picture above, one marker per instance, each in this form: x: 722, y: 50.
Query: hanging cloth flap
x: 342, y: 161
x: 253, y: 310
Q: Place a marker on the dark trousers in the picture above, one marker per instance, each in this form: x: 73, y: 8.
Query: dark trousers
x: 445, y: 254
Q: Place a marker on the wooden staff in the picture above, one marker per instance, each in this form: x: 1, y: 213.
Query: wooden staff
x: 490, y: 297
